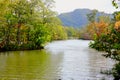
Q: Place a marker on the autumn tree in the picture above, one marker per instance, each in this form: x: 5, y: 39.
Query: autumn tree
x: 97, y: 26
x: 27, y: 23
x: 110, y: 42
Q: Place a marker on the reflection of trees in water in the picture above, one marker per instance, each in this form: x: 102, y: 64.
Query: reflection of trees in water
x: 68, y: 60
x: 29, y: 65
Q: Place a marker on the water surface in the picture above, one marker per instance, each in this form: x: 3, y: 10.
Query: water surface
x: 65, y: 60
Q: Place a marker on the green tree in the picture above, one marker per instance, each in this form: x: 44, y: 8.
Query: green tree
x: 110, y: 43
x: 114, y: 3
x: 25, y: 23
x: 92, y: 16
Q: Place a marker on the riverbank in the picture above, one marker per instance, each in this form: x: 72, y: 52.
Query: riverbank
x: 22, y: 47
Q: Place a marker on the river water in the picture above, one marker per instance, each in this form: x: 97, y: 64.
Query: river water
x: 60, y: 60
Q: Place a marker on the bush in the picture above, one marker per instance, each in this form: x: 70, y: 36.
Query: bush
x: 110, y: 43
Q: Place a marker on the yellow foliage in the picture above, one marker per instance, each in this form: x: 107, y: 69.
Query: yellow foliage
x: 117, y: 17
x: 117, y: 25
x: 23, y: 27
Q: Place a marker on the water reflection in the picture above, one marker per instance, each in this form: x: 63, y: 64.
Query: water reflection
x: 29, y: 65
x: 65, y: 60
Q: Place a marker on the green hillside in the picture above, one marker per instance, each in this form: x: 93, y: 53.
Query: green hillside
x: 78, y: 18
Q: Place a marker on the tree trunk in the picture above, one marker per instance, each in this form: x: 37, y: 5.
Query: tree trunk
x: 28, y: 35
x: 7, y: 39
x: 18, y: 34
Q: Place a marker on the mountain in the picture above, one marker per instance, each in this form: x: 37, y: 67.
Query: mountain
x: 78, y: 17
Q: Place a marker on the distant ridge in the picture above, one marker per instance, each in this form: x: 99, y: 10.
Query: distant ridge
x: 78, y: 18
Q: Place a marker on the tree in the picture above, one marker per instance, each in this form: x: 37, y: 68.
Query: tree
x: 25, y: 23
x: 92, y: 16
x: 7, y: 19
x: 97, y: 26
x: 114, y: 3
x: 110, y: 43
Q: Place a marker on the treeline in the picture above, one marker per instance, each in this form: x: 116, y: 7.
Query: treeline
x: 97, y: 25
x: 29, y: 24
x: 106, y: 36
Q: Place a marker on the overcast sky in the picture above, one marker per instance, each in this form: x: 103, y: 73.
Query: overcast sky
x: 69, y: 5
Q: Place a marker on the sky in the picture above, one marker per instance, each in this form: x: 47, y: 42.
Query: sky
x: 62, y: 6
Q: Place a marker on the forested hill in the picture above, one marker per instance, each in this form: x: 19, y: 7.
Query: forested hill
x: 78, y: 17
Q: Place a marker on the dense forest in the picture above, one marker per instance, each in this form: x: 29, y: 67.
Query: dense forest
x: 29, y: 24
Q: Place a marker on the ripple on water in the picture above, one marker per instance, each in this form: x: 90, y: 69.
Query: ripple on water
x: 61, y: 60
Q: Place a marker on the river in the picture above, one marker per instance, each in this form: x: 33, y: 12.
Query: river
x: 60, y: 60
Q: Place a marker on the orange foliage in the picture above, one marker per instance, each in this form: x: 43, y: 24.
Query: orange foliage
x: 2, y: 44
x: 101, y: 27
x: 97, y: 28
x: 117, y: 25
